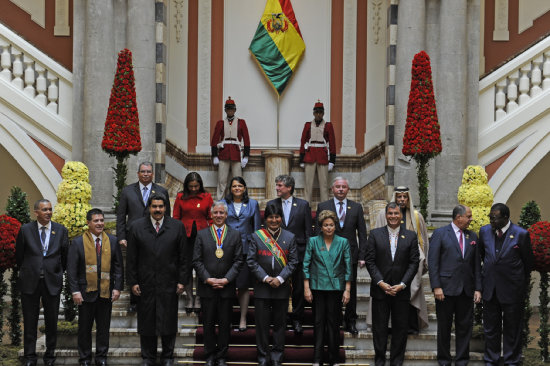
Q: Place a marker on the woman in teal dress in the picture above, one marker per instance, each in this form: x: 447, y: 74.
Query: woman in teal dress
x: 327, y: 275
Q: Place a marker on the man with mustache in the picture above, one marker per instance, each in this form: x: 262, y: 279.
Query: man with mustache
x: 156, y: 271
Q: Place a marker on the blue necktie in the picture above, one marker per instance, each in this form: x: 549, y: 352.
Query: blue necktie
x: 145, y: 195
x: 219, y: 233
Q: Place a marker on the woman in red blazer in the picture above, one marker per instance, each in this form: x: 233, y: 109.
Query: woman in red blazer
x: 192, y: 207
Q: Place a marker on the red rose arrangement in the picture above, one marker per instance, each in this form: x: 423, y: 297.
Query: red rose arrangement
x: 422, y: 134
x: 121, y: 135
x: 9, y: 228
x: 540, y: 242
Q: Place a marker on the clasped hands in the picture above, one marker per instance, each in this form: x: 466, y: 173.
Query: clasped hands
x: 272, y: 281
x: 217, y: 283
x: 390, y: 290
x: 137, y: 291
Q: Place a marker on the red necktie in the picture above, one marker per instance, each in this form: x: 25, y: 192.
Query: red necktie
x: 157, y: 226
x: 499, y: 233
x: 461, y: 245
x: 97, y: 247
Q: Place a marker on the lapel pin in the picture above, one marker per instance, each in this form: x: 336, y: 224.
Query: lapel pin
x: 244, y: 204
x: 467, y: 236
x: 511, y: 237
x: 403, y: 236
x: 349, y: 207
x: 198, y: 205
x: 53, y: 232
x: 152, y: 191
x: 294, y: 205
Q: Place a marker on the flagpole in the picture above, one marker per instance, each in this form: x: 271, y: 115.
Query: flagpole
x: 278, y: 121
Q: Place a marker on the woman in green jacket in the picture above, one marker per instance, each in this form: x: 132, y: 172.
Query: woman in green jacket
x: 327, y: 275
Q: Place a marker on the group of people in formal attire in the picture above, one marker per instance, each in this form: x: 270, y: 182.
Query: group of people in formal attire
x: 289, y: 256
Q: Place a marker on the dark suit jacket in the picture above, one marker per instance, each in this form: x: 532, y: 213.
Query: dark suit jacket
x: 208, y: 265
x: 381, y: 267
x: 157, y: 263
x: 29, y: 257
x: 507, y: 273
x: 448, y: 270
x: 354, y: 226
x: 261, y: 263
x: 76, y: 268
x: 327, y: 270
x: 299, y: 222
x: 246, y: 222
x: 131, y: 207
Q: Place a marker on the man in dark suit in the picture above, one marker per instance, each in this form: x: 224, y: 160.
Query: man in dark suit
x: 507, y: 263
x: 392, y: 259
x: 272, y: 260
x: 455, y: 276
x: 297, y: 220
x: 95, y: 276
x: 41, y: 255
x: 217, y: 259
x: 351, y: 225
x: 132, y: 205
x: 156, y: 269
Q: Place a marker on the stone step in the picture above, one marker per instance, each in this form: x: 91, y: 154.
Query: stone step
x: 412, y: 358
x: 126, y: 319
x: 361, y: 323
x: 426, y: 341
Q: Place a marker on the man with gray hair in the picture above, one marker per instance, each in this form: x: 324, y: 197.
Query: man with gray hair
x: 132, y: 205
x: 455, y: 275
x: 351, y: 225
x: 217, y: 258
x: 297, y: 220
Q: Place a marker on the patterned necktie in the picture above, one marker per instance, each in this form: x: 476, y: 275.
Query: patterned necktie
x: 97, y: 247
x: 499, y: 233
x: 460, y: 242
x: 157, y: 226
x: 43, y: 239
x: 145, y: 195
x: 341, y: 212
x: 219, y: 233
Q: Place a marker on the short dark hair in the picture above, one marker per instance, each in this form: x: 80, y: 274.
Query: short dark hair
x: 326, y: 215
x: 502, y: 208
x: 37, y: 203
x: 92, y: 212
x: 392, y: 205
x: 157, y: 196
x: 287, y: 180
x: 459, y: 210
x: 229, y: 197
x: 146, y: 163
x: 272, y: 209
x: 192, y: 177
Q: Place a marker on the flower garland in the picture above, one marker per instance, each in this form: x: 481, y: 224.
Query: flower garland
x: 422, y: 138
x: 476, y: 193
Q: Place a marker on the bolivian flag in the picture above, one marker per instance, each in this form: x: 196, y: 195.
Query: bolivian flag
x: 278, y: 44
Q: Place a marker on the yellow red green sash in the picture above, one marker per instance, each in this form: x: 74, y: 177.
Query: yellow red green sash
x: 272, y: 245
x: 219, y: 241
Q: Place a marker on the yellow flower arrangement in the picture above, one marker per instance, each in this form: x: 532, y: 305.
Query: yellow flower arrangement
x: 73, y: 197
x: 476, y: 194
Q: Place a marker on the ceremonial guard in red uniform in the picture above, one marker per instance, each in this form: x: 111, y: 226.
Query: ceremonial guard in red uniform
x: 317, y: 152
x: 228, y: 140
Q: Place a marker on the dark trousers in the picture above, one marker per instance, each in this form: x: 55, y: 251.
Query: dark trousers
x: 298, y: 301
x: 149, y: 348
x: 381, y: 312
x: 502, y: 321
x: 216, y: 310
x: 100, y: 312
x: 462, y: 307
x: 30, y: 304
x: 270, y: 311
x: 350, y: 315
x: 327, y: 314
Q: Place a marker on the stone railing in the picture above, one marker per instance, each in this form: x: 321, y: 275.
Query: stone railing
x: 40, y: 79
x: 512, y: 87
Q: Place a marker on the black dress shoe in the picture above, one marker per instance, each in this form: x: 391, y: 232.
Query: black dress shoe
x: 85, y: 363
x: 30, y: 363
x: 188, y: 311
x: 132, y: 308
x: 197, y: 310
x: 167, y: 362
x: 210, y: 362
x: 101, y: 363
x: 350, y: 327
x: 221, y: 362
x: 276, y: 363
x: 49, y: 363
x: 297, y: 327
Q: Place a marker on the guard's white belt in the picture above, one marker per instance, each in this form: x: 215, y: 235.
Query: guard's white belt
x: 316, y: 145
x: 226, y: 142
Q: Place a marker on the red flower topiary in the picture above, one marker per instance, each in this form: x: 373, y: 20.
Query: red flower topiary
x: 422, y: 134
x: 9, y: 228
x: 540, y: 242
x: 121, y: 135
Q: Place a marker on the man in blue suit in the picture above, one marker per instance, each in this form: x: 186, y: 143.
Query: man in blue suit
x: 507, y: 262
x: 455, y: 276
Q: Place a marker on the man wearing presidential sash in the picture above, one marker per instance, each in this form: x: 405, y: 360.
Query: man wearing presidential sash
x: 272, y: 258
x: 95, y: 275
x: 217, y: 259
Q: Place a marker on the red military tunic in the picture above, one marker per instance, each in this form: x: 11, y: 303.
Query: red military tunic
x: 318, y: 155
x: 230, y: 151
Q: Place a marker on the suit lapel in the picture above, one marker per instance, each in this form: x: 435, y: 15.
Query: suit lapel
x: 386, y: 239
x: 293, y: 208
x: 35, y: 235
x: 139, y: 194
x: 508, y: 236
x: 452, y: 234
x: 52, y: 241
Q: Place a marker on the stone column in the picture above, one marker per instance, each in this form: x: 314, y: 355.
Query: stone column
x: 277, y: 162
x: 140, y: 39
x: 99, y: 66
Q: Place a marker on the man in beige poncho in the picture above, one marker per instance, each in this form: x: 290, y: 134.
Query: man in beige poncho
x: 412, y: 220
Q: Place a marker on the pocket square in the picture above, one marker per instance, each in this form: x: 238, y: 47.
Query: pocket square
x: 516, y: 246
x: 473, y: 242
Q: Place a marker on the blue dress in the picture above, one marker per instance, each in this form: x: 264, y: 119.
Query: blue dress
x: 246, y: 222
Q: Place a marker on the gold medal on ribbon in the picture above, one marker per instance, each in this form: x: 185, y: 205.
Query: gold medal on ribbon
x: 219, y: 253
